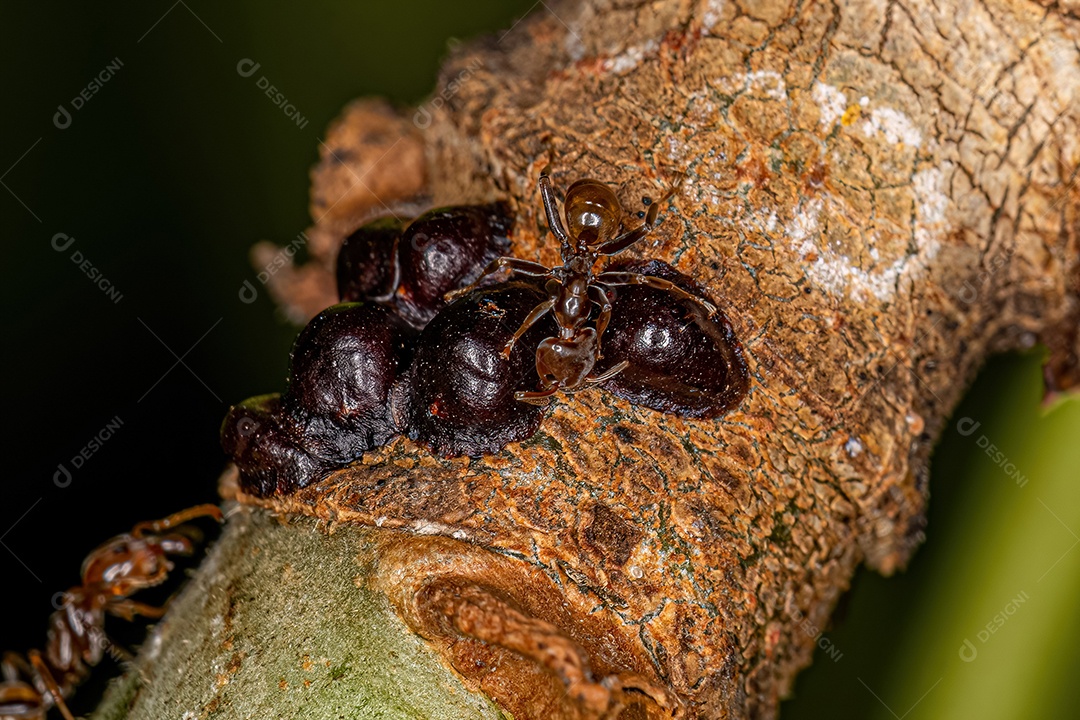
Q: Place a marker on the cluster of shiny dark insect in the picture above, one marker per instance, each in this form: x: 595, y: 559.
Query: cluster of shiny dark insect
x: 429, y: 343
x: 111, y: 574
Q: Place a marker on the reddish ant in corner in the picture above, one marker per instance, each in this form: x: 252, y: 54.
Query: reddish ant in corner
x: 110, y: 574
x: 594, y: 217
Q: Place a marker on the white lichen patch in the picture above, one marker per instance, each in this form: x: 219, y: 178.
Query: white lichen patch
x: 711, y: 13
x: 853, y: 447
x: 1060, y: 57
x: 830, y: 101
x: 931, y: 205
x: 575, y: 48
x: 770, y: 222
x: 805, y: 224
x: 894, y: 125
x: 431, y: 527
x: 762, y: 83
x: 829, y: 268
x: 630, y: 58
x: 766, y: 83
x: 676, y: 150
x: 835, y: 272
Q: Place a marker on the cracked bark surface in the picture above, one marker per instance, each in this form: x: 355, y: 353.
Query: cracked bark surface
x: 879, y: 195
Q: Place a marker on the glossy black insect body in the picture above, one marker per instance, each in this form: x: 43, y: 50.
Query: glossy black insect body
x: 412, y: 265
x: 266, y: 452
x: 469, y: 377
x: 343, y: 365
x: 335, y: 408
x: 567, y: 360
x: 445, y: 249
x: 367, y: 263
x: 458, y: 396
x: 677, y: 357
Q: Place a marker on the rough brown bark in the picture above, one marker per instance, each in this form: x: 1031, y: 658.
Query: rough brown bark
x: 879, y: 194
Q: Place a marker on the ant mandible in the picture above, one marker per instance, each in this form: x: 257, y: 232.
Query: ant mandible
x: 594, y: 216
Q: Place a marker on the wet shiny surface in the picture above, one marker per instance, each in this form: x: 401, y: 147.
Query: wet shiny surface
x: 268, y: 457
x: 367, y: 260
x: 446, y: 249
x: 680, y: 360
x: 458, y: 397
x: 592, y: 210
x: 363, y: 372
x: 343, y: 364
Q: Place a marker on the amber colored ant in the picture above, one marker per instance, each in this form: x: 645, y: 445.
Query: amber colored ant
x: 594, y: 217
x: 110, y: 574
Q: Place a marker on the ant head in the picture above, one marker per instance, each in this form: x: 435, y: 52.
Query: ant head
x: 592, y: 212
x: 104, y: 559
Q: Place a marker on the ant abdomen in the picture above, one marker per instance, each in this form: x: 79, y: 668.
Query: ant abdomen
x: 592, y: 210
x: 679, y: 358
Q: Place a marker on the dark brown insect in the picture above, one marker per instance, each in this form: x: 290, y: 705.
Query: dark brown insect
x: 392, y: 275
x: 567, y: 361
x: 677, y: 357
x: 458, y: 395
x: 343, y: 364
x: 367, y: 262
x: 258, y: 437
x: 335, y: 408
x: 466, y: 391
x: 410, y: 266
x: 76, y: 641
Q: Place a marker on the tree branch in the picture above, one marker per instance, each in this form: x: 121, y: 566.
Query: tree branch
x: 878, y: 195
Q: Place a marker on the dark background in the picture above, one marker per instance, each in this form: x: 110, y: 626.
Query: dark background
x: 165, y: 178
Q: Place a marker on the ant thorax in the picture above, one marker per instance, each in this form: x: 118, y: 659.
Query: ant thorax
x: 572, y: 307
x: 580, y: 263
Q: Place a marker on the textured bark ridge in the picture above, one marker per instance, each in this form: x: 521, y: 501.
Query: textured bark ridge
x: 878, y: 194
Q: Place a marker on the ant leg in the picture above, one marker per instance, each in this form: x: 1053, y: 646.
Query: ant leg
x: 516, y: 265
x: 617, y: 245
x: 128, y: 609
x: 629, y: 278
x: 605, y: 314
x: 551, y: 209
x: 178, y: 518
x: 538, y: 312
x: 50, y: 682
x: 537, y: 397
x: 12, y: 665
x: 609, y: 374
